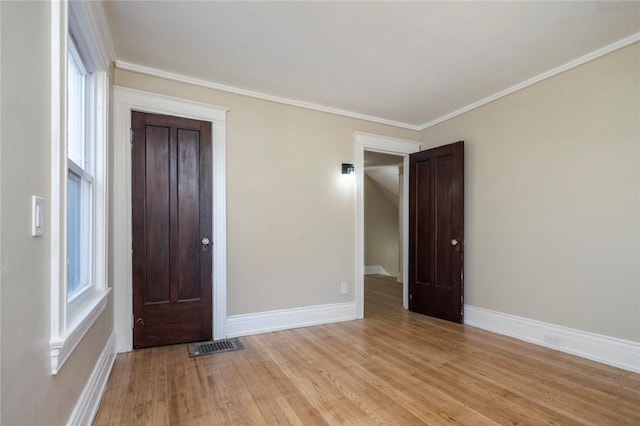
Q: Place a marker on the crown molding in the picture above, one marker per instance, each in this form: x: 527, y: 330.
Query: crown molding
x: 128, y: 66
x: 545, y: 75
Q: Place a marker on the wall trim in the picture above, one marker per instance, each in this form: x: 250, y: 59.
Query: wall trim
x: 128, y: 66
x: 619, y: 353
x: 545, y: 75
x: 376, y: 270
x: 61, y: 346
x: 87, y: 406
x: 126, y: 100
x: 284, y: 319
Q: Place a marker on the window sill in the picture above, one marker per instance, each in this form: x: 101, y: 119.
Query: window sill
x: 83, y: 318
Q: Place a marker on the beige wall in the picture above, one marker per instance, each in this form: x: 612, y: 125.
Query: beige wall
x: 381, y: 230
x: 30, y: 395
x: 290, y: 212
x: 553, y: 198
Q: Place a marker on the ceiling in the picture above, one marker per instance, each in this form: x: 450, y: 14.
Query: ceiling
x: 376, y: 159
x: 384, y: 170
x: 404, y: 63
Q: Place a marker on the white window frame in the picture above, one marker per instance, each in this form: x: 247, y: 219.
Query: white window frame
x: 84, y: 171
x: 71, y: 319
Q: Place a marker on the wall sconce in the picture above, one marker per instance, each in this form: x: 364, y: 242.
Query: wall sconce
x: 348, y: 169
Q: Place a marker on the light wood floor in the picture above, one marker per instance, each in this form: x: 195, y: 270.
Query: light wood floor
x: 394, y: 367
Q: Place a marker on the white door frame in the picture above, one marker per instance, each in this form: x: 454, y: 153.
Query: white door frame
x: 387, y: 145
x: 126, y: 100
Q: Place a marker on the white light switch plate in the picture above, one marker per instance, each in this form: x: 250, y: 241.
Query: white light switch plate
x: 37, y: 216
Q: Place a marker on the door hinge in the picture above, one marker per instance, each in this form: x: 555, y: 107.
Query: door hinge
x: 132, y: 321
x: 131, y: 136
x: 411, y: 297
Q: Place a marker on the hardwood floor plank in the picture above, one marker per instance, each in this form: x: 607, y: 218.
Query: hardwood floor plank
x: 288, y: 414
x: 130, y: 392
x: 394, y: 367
x: 162, y: 408
x: 140, y: 393
x: 109, y: 401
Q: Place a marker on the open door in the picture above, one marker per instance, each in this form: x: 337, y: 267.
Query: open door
x: 436, y: 232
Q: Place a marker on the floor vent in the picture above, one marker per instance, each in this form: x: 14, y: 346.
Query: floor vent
x: 209, y: 348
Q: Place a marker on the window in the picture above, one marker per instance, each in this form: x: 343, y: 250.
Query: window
x: 81, y: 61
x: 79, y: 177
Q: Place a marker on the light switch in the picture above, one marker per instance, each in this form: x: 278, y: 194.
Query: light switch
x: 37, y: 216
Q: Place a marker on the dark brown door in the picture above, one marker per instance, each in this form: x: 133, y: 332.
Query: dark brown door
x: 436, y: 232
x: 171, y: 191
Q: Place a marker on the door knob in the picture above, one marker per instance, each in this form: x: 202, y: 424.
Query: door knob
x: 205, y: 244
x: 454, y: 242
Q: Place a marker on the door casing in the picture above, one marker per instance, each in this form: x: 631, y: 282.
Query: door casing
x: 126, y: 100
x: 387, y: 145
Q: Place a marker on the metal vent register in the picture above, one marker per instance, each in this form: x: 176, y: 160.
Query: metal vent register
x: 208, y: 348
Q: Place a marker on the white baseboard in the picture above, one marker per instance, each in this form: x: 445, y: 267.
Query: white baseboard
x: 89, y: 401
x: 264, y: 322
x: 375, y: 270
x: 619, y: 353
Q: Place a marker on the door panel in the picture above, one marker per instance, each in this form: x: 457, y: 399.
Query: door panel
x: 156, y: 180
x: 424, y: 237
x: 188, y: 239
x: 436, y: 232
x: 443, y: 207
x: 171, y: 191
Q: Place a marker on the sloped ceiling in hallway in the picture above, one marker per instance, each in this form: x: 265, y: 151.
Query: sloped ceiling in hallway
x: 384, y: 169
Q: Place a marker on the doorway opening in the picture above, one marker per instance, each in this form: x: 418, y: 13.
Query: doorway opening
x: 366, y: 142
x: 383, y: 240
x: 434, y: 205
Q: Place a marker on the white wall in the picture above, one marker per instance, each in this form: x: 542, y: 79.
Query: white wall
x: 552, y: 198
x: 30, y: 395
x: 381, y: 229
x: 290, y: 212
